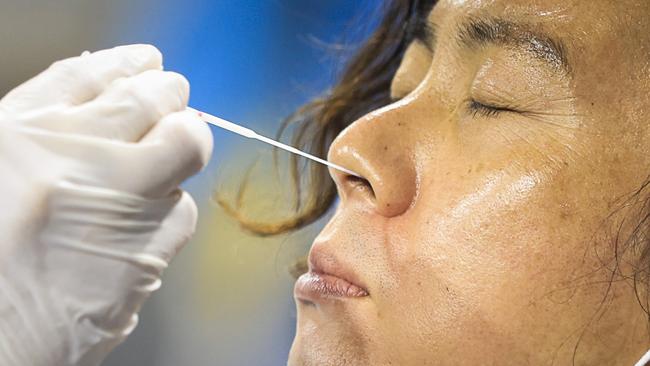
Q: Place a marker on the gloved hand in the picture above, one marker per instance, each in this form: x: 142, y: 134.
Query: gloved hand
x: 91, y: 155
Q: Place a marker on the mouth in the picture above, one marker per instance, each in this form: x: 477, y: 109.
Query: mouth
x: 327, y: 279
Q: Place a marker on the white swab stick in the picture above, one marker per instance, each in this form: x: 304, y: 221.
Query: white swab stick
x: 246, y: 132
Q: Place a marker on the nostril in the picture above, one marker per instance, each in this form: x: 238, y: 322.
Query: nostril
x: 360, y: 183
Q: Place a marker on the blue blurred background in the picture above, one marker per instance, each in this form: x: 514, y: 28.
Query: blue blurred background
x: 227, y: 298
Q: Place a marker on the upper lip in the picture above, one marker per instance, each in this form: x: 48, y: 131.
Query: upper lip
x: 323, y: 262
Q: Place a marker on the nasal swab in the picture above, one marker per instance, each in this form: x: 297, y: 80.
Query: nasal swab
x: 246, y: 132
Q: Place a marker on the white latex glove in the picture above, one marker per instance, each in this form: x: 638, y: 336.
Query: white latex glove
x: 91, y: 155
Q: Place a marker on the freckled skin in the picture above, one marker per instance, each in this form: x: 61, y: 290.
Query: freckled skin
x: 481, y: 241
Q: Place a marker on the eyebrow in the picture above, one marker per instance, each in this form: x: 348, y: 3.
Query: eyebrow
x: 482, y: 32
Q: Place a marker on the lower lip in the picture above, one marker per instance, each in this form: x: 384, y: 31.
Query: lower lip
x: 313, y: 287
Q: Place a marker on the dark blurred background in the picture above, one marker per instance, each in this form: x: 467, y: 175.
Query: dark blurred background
x: 227, y: 298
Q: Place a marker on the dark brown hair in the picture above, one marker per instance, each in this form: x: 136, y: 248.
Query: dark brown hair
x: 363, y: 87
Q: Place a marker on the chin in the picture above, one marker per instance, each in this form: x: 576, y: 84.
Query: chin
x: 326, y: 341
x: 307, y: 351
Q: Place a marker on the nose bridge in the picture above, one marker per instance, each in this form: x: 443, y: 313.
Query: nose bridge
x: 380, y: 147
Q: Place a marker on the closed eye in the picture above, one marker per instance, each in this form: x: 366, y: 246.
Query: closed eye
x: 477, y: 109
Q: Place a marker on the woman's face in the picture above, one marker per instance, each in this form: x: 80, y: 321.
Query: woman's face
x: 478, y: 237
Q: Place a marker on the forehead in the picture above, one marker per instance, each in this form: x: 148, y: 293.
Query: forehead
x: 559, y: 10
x: 572, y: 16
x: 605, y: 29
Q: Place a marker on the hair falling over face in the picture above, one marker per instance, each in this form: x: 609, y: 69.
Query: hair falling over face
x: 363, y: 86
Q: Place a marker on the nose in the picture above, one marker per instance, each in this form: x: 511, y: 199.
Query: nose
x: 379, y: 148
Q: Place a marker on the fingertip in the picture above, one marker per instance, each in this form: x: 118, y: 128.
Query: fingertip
x: 176, y: 148
x: 200, y: 131
x: 183, y: 86
x: 144, y: 55
x: 188, y: 135
x: 196, y: 134
x: 175, y: 85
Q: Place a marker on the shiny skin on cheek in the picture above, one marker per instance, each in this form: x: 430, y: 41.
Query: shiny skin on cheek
x: 501, y: 259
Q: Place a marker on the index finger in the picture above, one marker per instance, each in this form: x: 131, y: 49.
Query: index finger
x: 79, y: 79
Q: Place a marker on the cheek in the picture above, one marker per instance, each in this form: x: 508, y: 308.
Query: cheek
x: 497, y: 259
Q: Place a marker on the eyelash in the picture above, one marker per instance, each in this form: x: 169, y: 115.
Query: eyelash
x: 477, y: 108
